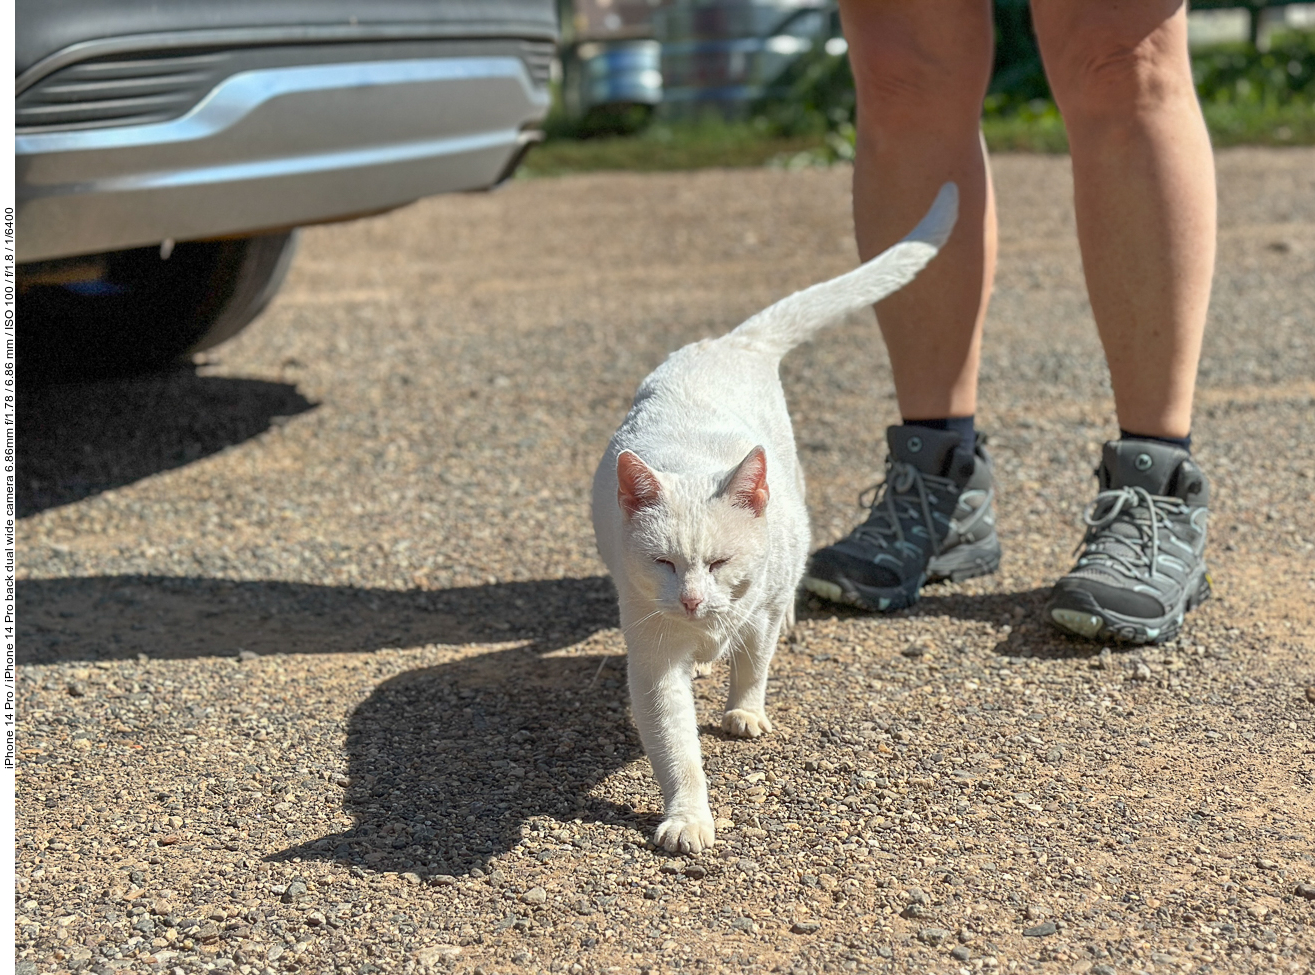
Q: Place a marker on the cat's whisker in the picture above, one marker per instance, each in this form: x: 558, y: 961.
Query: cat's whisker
x: 626, y: 630
x: 597, y: 673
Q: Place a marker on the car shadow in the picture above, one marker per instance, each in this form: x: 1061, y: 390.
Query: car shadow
x: 75, y: 440
x: 446, y: 764
x: 117, y: 617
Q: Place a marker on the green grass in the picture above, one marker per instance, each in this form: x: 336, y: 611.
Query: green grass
x: 1230, y: 124
x: 1248, y: 97
x: 664, y: 147
x: 1261, y: 125
x: 1033, y: 127
x: 677, y: 147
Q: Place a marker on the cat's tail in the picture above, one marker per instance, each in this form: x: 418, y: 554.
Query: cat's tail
x: 799, y: 317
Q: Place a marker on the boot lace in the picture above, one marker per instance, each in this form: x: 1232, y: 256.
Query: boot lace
x: 1132, y: 508
x: 896, y: 502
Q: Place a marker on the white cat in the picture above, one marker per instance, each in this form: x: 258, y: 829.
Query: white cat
x: 698, y: 508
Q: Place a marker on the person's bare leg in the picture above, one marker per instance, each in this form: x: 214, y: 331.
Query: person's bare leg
x: 921, y: 71
x: 1144, y: 190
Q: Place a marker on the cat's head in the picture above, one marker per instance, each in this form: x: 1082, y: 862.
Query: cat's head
x: 694, y: 545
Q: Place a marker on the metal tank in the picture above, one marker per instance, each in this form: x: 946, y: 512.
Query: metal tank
x: 610, y: 60
x: 724, y: 55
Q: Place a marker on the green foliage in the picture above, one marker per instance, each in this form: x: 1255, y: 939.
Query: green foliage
x: 1236, y: 74
x: 601, y: 120
x: 1017, y: 76
x: 814, y: 96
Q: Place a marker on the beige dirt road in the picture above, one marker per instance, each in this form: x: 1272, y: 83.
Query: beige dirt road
x: 320, y: 672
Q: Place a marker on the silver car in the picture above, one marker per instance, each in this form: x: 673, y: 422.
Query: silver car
x: 166, y: 151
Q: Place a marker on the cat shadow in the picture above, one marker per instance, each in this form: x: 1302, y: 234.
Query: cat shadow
x: 118, y: 617
x: 448, y: 763
x: 76, y: 440
x: 1029, y: 635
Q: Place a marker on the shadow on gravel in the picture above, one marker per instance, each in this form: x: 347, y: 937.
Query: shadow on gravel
x: 447, y: 763
x: 1030, y: 634
x: 1023, y: 612
x: 113, y: 617
x: 75, y: 440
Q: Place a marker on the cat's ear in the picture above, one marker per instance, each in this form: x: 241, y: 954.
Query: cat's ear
x: 637, y: 486
x: 747, y: 486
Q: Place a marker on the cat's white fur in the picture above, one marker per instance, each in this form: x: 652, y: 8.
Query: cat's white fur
x: 698, y: 508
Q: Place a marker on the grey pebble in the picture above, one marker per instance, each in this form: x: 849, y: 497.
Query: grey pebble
x: 1040, y: 930
x: 960, y: 953
x: 535, y: 895
x: 805, y: 927
x: 933, y: 936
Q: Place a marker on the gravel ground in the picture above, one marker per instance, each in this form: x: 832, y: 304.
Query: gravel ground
x: 320, y: 671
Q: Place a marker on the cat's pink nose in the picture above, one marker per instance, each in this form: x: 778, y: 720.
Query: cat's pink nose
x: 691, y: 600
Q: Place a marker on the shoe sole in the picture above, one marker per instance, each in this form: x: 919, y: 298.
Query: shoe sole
x: 1077, y: 613
x: 966, y: 561
x: 961, y: 562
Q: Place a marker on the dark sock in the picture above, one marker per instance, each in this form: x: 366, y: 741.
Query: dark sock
x: 962, y: 425
x: 1184, y: 442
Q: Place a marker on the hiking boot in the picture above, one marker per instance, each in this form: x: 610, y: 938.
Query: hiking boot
x: 1143, y: 558
x: 930, y: 519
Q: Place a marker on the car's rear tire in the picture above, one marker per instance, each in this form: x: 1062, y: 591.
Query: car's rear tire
x: 143, y: 309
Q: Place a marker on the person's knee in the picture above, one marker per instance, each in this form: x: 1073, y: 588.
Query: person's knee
x: 1113, y: 73
x: 911, y: 77
x: 903, y: 89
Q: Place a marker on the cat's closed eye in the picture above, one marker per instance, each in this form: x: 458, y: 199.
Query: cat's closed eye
x: 667, y: 562
x: 715, y: 565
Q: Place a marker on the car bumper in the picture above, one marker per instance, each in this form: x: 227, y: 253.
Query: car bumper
x: 277, y: 147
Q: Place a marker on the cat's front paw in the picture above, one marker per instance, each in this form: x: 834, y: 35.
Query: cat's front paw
x: 685, y: 834
x: 701, y: 668
x: 745, y: 724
